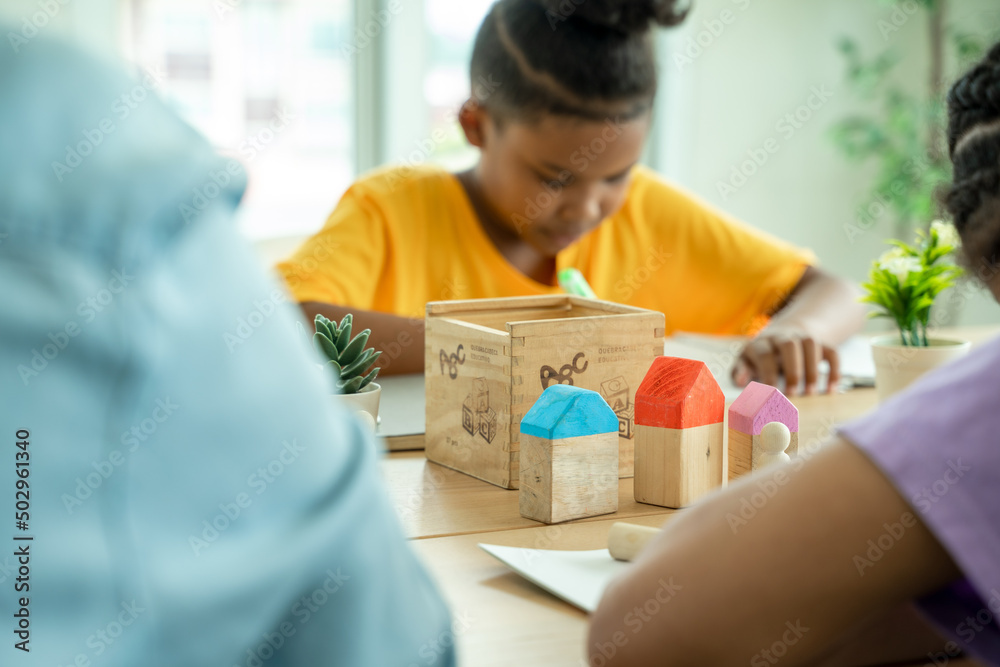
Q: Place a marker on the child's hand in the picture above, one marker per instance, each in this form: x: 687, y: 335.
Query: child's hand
x: 786, y: 351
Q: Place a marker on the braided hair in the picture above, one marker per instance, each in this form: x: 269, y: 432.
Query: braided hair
x: 581, y: 58
x: 973, y: 199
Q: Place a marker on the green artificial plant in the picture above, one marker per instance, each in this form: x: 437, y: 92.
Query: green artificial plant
x: 348, y: 358
x: 905, y: 281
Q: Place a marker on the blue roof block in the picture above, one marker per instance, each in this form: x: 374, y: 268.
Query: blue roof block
x: 564, y: 411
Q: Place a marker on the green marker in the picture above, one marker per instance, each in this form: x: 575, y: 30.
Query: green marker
x: 574, y: 283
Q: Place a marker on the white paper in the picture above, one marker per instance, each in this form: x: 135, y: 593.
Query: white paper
x: 578, y: 577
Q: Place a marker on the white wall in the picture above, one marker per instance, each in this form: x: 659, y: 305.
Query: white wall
x: 764, y: 64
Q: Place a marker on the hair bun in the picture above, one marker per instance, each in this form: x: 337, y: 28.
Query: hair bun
x: 980, y: 89
x: 624, y: 16
x: 974, y: 99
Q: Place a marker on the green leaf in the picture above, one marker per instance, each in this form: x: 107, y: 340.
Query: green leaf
x: 859, y: 137
x: 350, y: 386
x: 326, y: 346
x: 363, y: 362
x: 355, y: 367
x: 322, y: 325
x: 344, y: 338
x: 335, y: 367
x: 368, y: 378
x: 354, y: 348
x: 847, y: 46
x: 908, y: 250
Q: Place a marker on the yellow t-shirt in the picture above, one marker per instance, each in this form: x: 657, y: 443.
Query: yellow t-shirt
x: 401, y: 237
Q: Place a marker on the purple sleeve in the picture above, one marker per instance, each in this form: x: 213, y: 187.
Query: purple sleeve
x: 938, y: 442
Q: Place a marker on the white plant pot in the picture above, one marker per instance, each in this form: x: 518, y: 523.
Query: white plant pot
x: 897, y: 365
x: 365, y: 401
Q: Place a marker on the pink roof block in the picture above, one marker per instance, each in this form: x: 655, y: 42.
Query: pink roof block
x: 760, y: 404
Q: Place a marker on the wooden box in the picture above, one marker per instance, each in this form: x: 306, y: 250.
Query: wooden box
x: 488, y: 360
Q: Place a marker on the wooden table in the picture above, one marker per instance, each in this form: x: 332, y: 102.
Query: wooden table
x: 500, y: 618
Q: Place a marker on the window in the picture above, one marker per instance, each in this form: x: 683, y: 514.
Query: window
x: 268, y: 83
x: 277, y: 85
x: 452, y: 28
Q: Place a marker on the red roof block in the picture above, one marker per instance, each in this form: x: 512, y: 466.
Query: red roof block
x: 679, y: 393
x: 760, y: 404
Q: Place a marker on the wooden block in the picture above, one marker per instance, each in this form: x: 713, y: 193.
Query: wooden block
x: 513, y: 349
x: 757, y: 406
x: 740, y: 453
x: 676, y: 467
x: 568, y: 456
x: 679, y: 444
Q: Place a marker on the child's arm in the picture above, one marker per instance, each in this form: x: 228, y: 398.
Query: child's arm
x: 821, y: 312
x: 723, y: 583
x: 401, y: 339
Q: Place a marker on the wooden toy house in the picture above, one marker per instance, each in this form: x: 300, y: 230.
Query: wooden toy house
x: 679, y: 414
x: 569, y: 456
x: 757, y: 406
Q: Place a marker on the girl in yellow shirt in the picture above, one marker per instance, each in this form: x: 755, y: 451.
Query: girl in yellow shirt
x: 560, y: 107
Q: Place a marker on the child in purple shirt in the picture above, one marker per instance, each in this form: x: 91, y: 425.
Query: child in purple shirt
x: 882, y: 547
x: 939, y: 446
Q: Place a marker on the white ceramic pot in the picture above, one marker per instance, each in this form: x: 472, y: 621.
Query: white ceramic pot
x: 898, y: 365
x: 365, y: 401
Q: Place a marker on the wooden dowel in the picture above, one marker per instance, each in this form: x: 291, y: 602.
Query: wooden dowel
x: 626, y: 540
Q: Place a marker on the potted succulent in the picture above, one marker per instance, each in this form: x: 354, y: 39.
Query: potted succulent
x: 903, y: 285
x: 350, y: 362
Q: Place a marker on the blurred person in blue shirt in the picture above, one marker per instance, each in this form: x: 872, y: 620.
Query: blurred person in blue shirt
x: 192, y: 495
